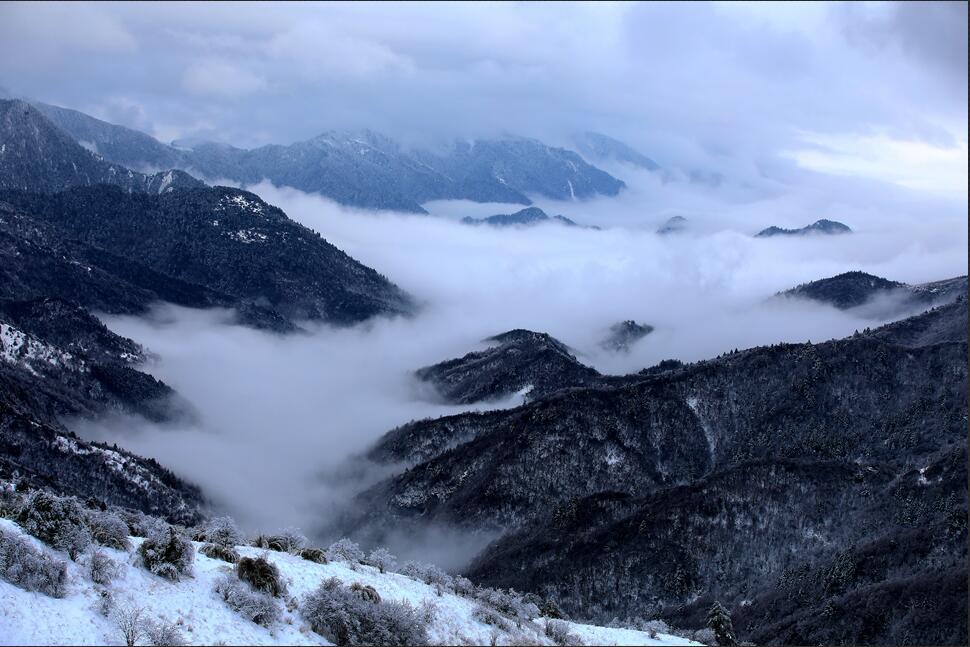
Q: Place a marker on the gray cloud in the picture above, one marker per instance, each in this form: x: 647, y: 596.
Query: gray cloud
x: 682, y: 81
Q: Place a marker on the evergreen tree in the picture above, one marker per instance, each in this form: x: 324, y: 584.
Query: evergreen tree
x: 719, y: 620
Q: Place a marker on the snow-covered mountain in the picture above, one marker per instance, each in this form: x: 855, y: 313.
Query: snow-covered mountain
x: 362, y: 168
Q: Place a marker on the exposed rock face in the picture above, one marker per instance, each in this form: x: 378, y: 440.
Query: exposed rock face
x: 818, y: 227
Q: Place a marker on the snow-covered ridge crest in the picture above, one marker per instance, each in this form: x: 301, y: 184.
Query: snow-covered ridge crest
x: 25, y: 350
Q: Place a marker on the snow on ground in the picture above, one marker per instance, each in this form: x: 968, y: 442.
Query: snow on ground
x: 35, y: 619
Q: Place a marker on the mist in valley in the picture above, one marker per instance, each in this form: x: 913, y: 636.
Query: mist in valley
x: 277, y: 419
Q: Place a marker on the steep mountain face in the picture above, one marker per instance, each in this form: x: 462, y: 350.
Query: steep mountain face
x: 57, y: 360
x: 598, y: 147
x: 854, y: 289
x: 121, y: 145
x: 818, y: 227
x: 35, y: 155
x: 519, y: 360
x: 681, y: 482
x: 624, y: 334
x: 221, y: 241
x: 363, y: 169
x: 523, y: 217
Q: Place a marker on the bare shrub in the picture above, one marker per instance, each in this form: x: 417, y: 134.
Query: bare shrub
x: 161, y: 633
x: 313, y: 555
x: 129, y: 618
x: 262, y: 575
x: 366, y: 592
x: 167, y: 553
x: 220, y: 552
x: 223, y: 531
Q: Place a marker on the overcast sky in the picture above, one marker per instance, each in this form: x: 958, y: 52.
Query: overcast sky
x: 858, y: 89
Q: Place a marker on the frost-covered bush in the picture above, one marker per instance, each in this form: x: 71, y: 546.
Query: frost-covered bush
x: 261, y: 574
x: 342, y: 617
x: 101, y: 568
x: 491, y: 617
x: 313, y: 555
x: 508, y: 602
x: 558, y: 631
x: 167, y: 553
x: 108, y: 529
x: 366, y: 592
x: 139, y: 523
x: 381, y: 559
x: 223, y: 531
x: 345, y: 550
x: 220, y: 552
x: 30, y: 569
x: 254, y: 606
x: 654, y: 627
x: 56, y: 521
x: 463, y: 586
x: 130, y: 620
x: 429, y: 574
x: 161, y: 633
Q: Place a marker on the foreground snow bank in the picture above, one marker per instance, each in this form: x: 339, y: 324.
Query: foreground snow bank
x: 202, y: 617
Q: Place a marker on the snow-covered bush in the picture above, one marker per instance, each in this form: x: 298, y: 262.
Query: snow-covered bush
x: 165, y: 552
x: 254, y: 606
x: 342, y: 617
x: 262, y: 575
x: 223, y: 531
x: 427, y: 611
x: 108, y: 529
x: 10, y: 500
x: 429, y: 574
x: 508, y: 602
x: 491, y: 617
x: 463, y: 586
x: 382, y: 559
x: 345, y: 550
x: 161, y: 633
x: 101, y: 568
x: 558, y: 631
x: 32, y: 570
x: 654, y: 627
x: 366, y: 592
x: 222, y: 553
x: 56, y: 521
x: 139, y: 523
x: 315, y: 555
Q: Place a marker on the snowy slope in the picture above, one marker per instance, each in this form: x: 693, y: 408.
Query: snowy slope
x: 33, y: 618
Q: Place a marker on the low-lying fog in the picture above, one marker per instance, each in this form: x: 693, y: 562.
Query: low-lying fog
x: 276, y: 414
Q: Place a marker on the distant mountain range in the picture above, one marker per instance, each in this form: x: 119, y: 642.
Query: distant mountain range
x: 361, y: 169
x: 524, y: 217
x: 601, y: 148
x: 822, y: 226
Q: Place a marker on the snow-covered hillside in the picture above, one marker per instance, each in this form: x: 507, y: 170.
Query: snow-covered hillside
x: 203, y: 618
